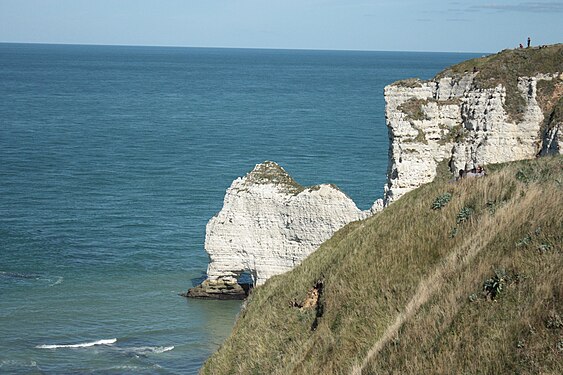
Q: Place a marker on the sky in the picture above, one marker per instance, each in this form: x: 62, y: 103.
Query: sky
x: 379, y: 25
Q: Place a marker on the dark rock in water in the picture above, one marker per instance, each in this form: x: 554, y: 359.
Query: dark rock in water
x: 219, y: 289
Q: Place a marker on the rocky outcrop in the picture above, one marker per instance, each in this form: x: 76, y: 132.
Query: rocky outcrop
x: 463, y: 119
x: 224, y: 289
x: 268, y: 225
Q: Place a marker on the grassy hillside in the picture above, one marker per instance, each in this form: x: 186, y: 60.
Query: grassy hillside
x: 473, y: 285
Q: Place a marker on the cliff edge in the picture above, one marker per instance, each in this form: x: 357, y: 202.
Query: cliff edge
x: 493, y: 109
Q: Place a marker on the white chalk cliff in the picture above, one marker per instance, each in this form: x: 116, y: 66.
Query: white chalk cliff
x: 269, y: 224
x: 454, y: 119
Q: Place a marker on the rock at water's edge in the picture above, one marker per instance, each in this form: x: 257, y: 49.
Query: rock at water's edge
x: 219, y: 289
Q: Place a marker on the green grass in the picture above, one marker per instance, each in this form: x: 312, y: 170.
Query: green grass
x: 401, y: 295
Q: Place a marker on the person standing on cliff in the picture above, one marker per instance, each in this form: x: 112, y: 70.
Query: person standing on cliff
x: 529, y: 41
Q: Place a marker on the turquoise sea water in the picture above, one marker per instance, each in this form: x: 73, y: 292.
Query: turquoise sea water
x: 112, y: 160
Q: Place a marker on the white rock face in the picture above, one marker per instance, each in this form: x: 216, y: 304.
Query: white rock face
x: 269, y: 224
x: 452, y: 119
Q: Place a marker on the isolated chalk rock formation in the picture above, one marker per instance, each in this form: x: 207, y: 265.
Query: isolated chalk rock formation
x: 268, y: 225
x: 454, y: 118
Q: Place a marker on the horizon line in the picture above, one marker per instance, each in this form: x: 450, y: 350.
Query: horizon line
x: 224, y: 47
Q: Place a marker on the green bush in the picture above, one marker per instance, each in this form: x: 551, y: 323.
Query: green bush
x: 494, y: 286
x: 441, y: 201
x: 464, y: 215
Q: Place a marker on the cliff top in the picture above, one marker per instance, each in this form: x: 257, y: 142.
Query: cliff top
x: 505, y: 68
x: 451, y: 278
x: 270, y: 172
x: 510, y: 64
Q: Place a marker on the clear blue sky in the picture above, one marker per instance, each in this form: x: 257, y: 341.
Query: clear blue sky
x: 390, y: 25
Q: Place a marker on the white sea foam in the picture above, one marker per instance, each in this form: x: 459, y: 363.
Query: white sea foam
x: 144, y: 350
x: 131, y: 368
x: 162, y: 349
x: 10, y: 363
x: 81, y: 345
x: 58, y: 281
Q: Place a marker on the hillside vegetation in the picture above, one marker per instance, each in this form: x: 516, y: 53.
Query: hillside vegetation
x: 452, y: 278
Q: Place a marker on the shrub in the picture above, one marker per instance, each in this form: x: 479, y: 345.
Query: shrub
x: 522, y: 176
x: 441, y: 201
x: 494, y: 286
x: 464, y: 215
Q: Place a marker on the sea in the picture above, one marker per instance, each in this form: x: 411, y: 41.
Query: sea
x: 113, y: 159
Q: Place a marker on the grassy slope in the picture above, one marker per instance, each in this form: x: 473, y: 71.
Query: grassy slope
x: 397, y: 288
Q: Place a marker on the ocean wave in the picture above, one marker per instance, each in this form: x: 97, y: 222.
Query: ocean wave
x: 81, y: 345
x: 15, y: 364
x: 143, y: 350
x: 19, y: 275
x: 30, y: 277
x: 58, y: 281
x: 135, y: 368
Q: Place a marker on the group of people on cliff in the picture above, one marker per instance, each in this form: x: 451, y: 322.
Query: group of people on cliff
x: 529, y: 43
x: 478, y: 171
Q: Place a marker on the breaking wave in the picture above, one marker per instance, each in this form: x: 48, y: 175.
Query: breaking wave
x: 81, y: 345
x: 58, y: 281
x: 144, y: 350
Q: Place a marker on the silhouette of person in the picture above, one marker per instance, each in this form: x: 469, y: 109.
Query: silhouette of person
x: 529, y: 40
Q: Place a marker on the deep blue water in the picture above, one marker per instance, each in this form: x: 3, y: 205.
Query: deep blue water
x: 112, y: 160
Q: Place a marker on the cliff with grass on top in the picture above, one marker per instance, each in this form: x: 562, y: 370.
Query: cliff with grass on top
x: 494, y: 109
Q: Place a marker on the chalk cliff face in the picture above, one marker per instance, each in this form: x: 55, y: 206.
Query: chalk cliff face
x: 455, y: 118
x: 269, y: 224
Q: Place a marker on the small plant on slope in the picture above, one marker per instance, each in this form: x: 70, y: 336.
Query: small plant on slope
x: 464, y: 215
x: 494, y: 286
x: 441, y: 201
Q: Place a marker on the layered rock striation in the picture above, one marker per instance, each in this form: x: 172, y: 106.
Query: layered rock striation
x: 496, y: 109
x: 268, y: 225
